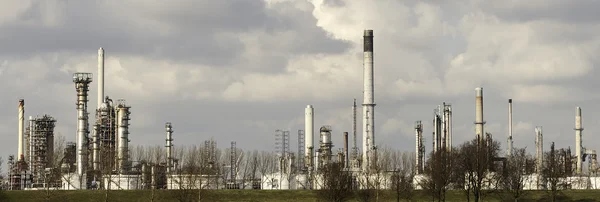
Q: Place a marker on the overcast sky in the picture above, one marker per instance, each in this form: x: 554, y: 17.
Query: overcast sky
x: 237, y: 70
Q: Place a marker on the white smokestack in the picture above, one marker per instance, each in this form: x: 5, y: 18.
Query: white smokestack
x: 578, y: 133
x: 21, y: 108
x: 100, y: 77
x: 479, y: 114
x: 510, y: 123
x: 368, y: 102
x: 308, y: 135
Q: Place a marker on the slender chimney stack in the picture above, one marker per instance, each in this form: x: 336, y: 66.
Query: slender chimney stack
x: 346, y: 158
x: 100, y: 77
x: 368, y: 102
x: 21, y: 128
x: 479, y: 114
x: 420, y: 148
x: 578, y: 133
x: 510, y: 123
x: 308, y: 135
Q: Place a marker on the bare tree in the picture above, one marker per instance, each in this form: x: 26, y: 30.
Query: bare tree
x: 438, y: 173
x: 337, y: 183
x: 511, y: 179
x: 553, y: 172
x: 402, y: 179
x: 476, y: 161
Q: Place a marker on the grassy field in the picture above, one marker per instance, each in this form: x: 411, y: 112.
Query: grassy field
x: 253, y: 195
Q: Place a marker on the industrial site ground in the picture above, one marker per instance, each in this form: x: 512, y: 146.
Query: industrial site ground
x: 259, y: 196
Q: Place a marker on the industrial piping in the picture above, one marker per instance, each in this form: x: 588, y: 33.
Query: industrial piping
x: 169, y: 146
x: 510, y: 136
x: 100, y: 77
x: 21, y: 108
x: 368, y: 102
x: 82, y: 81
x: 479, y: 114
x: 308, y: 135
x: 578, y: 147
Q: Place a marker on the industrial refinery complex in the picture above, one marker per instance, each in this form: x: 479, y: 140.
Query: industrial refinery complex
x: 100, y: 157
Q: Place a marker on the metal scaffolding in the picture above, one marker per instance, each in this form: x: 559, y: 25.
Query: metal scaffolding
x: 41, y: 144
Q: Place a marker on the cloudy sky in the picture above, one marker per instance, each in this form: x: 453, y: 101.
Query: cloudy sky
x: 237, y: 70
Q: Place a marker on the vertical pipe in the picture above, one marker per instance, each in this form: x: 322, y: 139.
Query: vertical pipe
x: 369, y: 100
x: 354, y: 146
x: 346, y: 158
x: 510, y: 123
x: 100, y: 76
x: 96, y: 149
x: 449, y: 136
x: 21, y: 135
x: 578, y: 140
x: 479, y: 114
x: 169, y: 145
x: 435, y: 131
x: 308, y: 135
x: 31, y: 142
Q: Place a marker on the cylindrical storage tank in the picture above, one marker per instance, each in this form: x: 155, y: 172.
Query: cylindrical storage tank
x: 325, y: 135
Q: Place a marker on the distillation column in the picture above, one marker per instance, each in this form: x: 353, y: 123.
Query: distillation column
x: 309, y: 134
x: 447, y: 126
x: 510, y: 123
x: 21, y: 136
x: 479, y: 114
x: 420, y: 149
x: 368, y: 102
x: 578, y: 146
x: 123, y: 135
x: 539, y: 149
x: 82, y: 81
x: 169, y: 146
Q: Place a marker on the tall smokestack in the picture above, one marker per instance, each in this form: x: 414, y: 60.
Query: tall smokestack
x: 510, y: 123
x: 346, y: 158
x: 368, y: 102
x: 82, y: 81
x: 308, y: 135
x: 479, y: 114
x: 21, y: 128
x: 100, y: 77
x: 169, y: 146
x: 578, y: 133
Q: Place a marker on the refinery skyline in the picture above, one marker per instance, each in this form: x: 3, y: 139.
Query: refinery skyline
x: 235, y: 80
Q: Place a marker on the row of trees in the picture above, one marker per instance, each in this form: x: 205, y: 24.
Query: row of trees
x: 477, y: 168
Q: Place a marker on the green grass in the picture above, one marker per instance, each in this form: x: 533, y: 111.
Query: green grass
x: 256, y: 195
